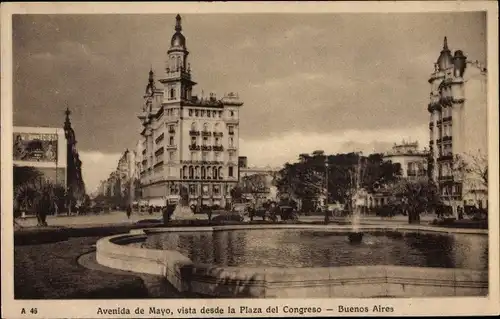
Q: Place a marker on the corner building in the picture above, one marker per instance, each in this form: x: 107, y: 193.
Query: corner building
x: 187, y: 141
x: 458, y: 124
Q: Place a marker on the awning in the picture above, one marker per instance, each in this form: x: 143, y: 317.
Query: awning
x: 157, y: 202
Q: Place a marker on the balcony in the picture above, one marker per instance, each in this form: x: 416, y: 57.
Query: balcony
x: 231, y: 147
x: 231, y: 132
x: 438, y: 141
x: 431, y: 125
x: 438, y: 123
x: 218, y: 134
x: 447, y: 157
x: 232, y: 120
x: 158, y: 164
x: 194, y: 133
x: 446, y: 178
x: 159, y: 138
x: 446, y: 138
x: 431, y: 142
x: 171, y: 147
x: 206, y: 148
x: 447, y: 119
x: 194, y: 147
x: 171, y: 131
x: 206, y: 133
x: 159, y: 151
x: 218, y: 148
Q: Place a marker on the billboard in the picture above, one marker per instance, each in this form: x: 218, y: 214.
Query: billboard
x: 35, y: 147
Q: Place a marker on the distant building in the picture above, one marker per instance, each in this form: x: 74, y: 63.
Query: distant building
x: 188, y: 142
x: 457, y: 124
x: 412, y: 160
x: 268, y: 172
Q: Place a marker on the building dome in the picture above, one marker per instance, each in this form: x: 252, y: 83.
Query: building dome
x: 445, y: 59
x: 178, y: 39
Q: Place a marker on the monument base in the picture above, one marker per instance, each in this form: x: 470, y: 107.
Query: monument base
x: 355, y: 237
x: 182, y: 213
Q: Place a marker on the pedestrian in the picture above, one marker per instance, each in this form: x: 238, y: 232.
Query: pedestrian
x: 129, y: 211
x: 150, y: 210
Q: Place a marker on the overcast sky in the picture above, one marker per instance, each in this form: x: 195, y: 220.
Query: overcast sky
x: 337, y: 82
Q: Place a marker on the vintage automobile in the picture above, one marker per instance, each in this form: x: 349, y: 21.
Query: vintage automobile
x: 287, y: 213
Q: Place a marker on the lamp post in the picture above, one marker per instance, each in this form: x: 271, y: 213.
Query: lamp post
x: 326, y: 181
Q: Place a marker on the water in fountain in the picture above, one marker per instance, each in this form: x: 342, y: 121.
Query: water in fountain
x: 356, y: 236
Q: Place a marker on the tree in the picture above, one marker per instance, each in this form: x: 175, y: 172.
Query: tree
x: 414, y: 197
x: 305, y: 180
x: 236, y: 193
x: 40, y: 196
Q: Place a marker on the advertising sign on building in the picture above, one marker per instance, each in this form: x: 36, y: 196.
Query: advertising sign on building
x: 35, y: 147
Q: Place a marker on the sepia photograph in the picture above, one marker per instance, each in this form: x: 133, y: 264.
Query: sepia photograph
x: 270, y: 155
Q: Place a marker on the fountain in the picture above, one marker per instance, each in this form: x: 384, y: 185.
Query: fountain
x: 355, y: 236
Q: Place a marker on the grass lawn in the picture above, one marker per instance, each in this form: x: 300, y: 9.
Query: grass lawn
x: 51, y: 271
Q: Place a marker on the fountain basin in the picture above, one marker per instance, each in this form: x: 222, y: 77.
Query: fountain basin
x: 124, y: 252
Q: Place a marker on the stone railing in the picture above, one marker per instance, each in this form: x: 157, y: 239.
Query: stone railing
x: 271, y: 282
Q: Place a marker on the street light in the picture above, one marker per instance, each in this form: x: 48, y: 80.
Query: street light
x: 326, y: 180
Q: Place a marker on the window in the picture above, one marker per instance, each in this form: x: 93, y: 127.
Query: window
x: 171, y: 141
x: 217, y: 156
x: 231, y: 113
x: 171, y: 155
x: 208, y: 113
x: 191, y: 172
x: 203, y: 172
x: 214, y: 113
x: 202, y: 113
x: 205, y: 140
x: 231, y: 156
x: 214, y: 172
x: 217, y: 141
x: 205, y: 127
x: 193, y: 126
x: 196, y: 113
x: 193, y: 140
x: 216, y: 189
x: 204, y: 156
x: 190, y: 112
x: 172, y: 94
x: 192, y: 156
x: 230, y: 171
x: 231, y: 130
x: 231, y: 141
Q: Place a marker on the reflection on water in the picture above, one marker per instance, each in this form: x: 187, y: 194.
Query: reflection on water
x: 305, y: 248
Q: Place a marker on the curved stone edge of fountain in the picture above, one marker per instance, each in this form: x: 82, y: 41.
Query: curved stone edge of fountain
x: 270, y: 282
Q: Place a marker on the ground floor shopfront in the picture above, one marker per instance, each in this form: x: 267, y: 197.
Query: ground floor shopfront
x: 199, y: 192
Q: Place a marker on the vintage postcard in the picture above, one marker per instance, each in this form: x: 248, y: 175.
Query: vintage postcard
x: 249, y: 159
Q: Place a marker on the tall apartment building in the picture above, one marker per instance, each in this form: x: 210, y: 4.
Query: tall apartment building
x: 458, y: 124
x: 187, y: 141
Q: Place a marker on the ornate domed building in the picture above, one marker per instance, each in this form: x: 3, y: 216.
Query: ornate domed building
x: 188, y: 142
x: 457, y: 125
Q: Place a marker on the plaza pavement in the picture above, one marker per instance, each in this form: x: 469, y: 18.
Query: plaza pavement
x: 119, y: 217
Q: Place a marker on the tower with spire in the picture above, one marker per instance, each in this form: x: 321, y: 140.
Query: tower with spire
x: 457, y: 124
x: 75, y: 184
x: 187, y: 142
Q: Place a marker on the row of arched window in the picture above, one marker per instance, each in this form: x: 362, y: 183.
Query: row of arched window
x: 203, y: 172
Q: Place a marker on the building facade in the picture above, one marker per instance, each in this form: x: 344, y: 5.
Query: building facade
x: 188, y: 142
x: 411, y: 159
x: 457, y: 124
x: 267, y: 173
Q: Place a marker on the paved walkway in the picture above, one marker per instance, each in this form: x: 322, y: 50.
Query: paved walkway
x: 119, y: 217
